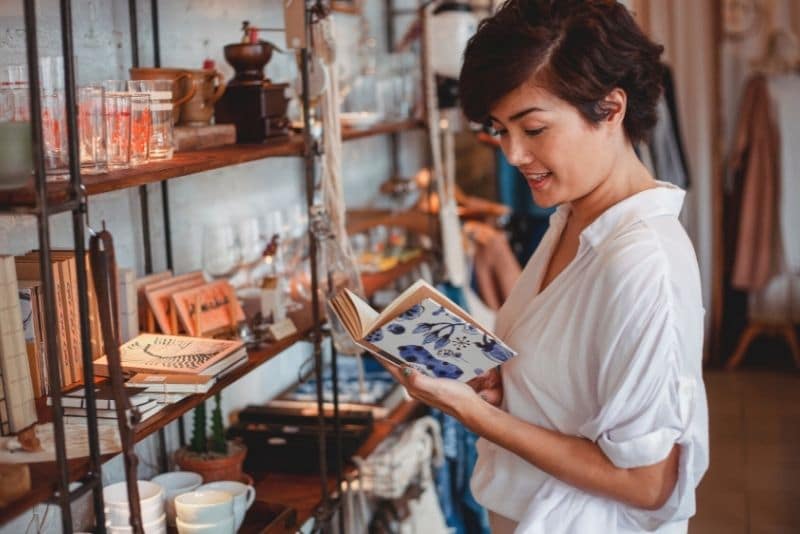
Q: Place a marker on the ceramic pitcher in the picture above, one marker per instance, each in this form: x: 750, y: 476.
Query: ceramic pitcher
x: 199, y: 109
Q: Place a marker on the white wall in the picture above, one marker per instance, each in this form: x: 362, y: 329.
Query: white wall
x: 190, y: 30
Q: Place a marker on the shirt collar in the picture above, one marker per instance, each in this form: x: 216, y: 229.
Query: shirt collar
x: 665, y: 199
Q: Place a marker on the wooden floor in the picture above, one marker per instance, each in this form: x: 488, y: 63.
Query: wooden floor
x: 753, y: 483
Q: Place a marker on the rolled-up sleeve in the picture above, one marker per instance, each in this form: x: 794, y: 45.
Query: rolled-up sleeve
x: 647, y: 399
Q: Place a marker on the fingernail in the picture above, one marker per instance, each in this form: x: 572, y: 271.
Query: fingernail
x: 407, y: 371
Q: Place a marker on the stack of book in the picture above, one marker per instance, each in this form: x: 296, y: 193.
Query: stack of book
x: 171, y: 367
x: 74, y: 404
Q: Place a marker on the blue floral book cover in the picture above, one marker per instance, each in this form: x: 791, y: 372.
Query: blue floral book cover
x: 425, y: 330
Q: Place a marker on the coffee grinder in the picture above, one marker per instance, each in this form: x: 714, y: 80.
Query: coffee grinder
x: 252, y: 102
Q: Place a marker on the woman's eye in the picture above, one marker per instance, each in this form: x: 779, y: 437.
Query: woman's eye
x: 534, y: 133
x: 495, y: 132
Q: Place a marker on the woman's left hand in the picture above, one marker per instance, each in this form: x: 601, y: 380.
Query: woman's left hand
x: 450, y: 396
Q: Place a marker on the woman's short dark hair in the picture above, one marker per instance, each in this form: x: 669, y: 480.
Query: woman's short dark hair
x: 578, y: 49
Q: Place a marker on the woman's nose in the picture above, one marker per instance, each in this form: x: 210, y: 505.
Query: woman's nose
x: 517, y: 153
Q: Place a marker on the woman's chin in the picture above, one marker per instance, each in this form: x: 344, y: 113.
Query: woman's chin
x: 543, y: 194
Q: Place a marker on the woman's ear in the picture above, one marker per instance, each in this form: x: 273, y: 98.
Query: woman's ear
x: 614, y: 106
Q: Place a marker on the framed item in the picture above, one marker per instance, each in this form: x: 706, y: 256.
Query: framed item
x: 159, y: 300
x: 209, y: 309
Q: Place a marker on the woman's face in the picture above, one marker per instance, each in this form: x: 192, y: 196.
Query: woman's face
x: 562, y: 156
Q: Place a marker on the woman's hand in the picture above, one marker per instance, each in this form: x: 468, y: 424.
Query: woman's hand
x: 450, y: 396
x: 489, y: 386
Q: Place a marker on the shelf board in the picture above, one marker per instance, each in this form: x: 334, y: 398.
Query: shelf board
x: 376, y: 281
x: 302, y: 492
x: 186, y: 163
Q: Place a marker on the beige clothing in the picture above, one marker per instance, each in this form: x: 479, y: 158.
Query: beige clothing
x: 755, y: 158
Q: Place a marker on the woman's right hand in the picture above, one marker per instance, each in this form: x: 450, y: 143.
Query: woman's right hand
x: 489, y: 386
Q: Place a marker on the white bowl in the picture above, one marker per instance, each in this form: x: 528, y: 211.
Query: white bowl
x: 203, y: 506
x: 224, y: 526
x: 176, y: 483
x: 156, y: 527
x: 151, y: 502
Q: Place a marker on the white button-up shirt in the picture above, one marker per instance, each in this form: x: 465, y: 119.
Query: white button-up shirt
x: 611, y: 351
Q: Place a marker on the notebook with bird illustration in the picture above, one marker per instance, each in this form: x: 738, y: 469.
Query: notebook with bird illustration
x: 161, y: 353
x: 423, y: 329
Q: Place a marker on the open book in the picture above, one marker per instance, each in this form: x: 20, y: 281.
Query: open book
x: 424, y: 329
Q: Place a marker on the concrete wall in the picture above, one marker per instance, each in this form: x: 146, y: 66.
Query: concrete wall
x: 190, y: 31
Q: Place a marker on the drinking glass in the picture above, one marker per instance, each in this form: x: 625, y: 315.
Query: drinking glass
x: 140, y: 128
x: 18, y: 81
x: 117, y: 109
x: 251, y: 246
x: 161, y: 128
x: 54, y: 126
x: 92, y: 130
x: 221, y: 253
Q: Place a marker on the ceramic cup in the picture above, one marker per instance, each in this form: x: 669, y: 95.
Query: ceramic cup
x: 151, y: 502
x: 174, y: 484
x: 156, y: 527
x: 198, y: 110
x: 203, y: 507
x: 224, y: 526
x: 243, y: 496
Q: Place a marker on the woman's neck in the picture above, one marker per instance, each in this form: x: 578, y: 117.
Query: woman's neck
x: 627, y: 177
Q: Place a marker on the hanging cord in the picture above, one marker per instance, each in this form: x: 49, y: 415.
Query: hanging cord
x: 443, y: 176
x: 323, y: 35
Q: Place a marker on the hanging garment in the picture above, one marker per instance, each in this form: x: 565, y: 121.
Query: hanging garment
x: 755, y: 160
x: 664, y: 149
x: 672, y: 108
x: 784, y: 94
x: 611, y: 351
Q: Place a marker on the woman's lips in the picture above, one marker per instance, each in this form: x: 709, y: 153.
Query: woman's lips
x: 538, y: 180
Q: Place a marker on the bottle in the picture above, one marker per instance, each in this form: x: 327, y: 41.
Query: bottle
x: 336, y: 271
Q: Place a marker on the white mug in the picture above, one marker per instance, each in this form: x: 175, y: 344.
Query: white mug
x: 151, y: 502
x: 224, y: 526
x: 243, y: 496
x: 203, y: 506
x: 156, y: 527
x: 176, y: 483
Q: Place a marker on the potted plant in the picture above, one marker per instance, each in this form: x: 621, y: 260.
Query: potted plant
x: 212, y: 456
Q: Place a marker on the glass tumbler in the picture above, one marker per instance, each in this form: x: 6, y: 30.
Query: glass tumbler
x: 117, y: 110
x: 92, y: 130
x: 140, y: 128
x: 161, y: 129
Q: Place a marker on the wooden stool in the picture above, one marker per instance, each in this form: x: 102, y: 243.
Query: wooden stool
x: 785, y: 330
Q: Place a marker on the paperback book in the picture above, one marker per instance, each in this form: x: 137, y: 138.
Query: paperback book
x: 423, y: 329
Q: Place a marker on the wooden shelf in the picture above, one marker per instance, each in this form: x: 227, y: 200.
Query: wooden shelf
x: 44, y: 474
x: 376, y: 281
x: 192, y: 162
x: 302, y: 492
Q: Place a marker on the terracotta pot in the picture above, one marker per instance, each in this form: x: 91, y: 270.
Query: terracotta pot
x: 198, y: 110
x: 213, y: 467
x: 183, y: 85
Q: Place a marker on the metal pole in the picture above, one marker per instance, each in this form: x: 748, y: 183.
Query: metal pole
x: 95, y: 465
x: 53, y: 354
x: 164, y: 184
x: 156, y: 38
x: 148, y: 251
x: 309, y: 156
x: 134, y: 33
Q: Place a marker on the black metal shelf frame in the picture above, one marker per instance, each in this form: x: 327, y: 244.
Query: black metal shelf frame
x: 77, y: 205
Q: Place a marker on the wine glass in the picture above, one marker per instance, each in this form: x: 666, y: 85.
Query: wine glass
x: 274, y: 224
x: 251, y: 245
x: 221, y: 253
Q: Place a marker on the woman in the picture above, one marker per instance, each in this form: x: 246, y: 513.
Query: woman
x: 599, y: 425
